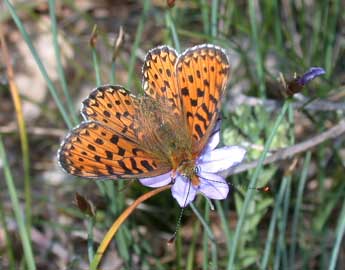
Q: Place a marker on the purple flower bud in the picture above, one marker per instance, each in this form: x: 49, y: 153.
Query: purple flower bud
x: 310, y: 75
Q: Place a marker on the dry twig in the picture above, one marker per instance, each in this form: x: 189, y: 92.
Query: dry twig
x: 294, y: 150
x: 270, y: 104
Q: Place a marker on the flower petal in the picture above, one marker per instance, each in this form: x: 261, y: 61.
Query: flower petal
x: 312, y: 73
x: 213, y: 186
x: 214, y: 139
x: 156, y: 181
x: 183, y: 191
x: 221, y: 159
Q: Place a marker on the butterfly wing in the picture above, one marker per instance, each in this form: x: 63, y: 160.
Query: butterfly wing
x: 108, y: 144
x: 159, y: 77
x: 202, y: 75
x: 97, y: 151
x: 113, y: 106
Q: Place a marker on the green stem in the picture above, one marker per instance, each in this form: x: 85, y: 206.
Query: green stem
x: 224, y: 223
x: 28, y: 254
x: 90, y: 251
x: 256, y: 42
x: 191, y: 251
x: 96, y: 66
x: 252, y: 183
x: 299, y: 199
x: 8, y: 242
x: 112, y: 74
x: 210, y: 236
x: 271, y: 228
x: 171, y: 25
x: 137, y: 39
x: 39, y: 63
x: 339, y: 237
x: 281, y: 244
x: 60, y: 70
x: 205, y: 237
x: 214, y: 18
x: 205, y: 16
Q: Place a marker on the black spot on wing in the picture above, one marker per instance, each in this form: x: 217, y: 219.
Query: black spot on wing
x: 124, y: 167
x: 114, y: 139
x: 146, y: 165
x: 198, y: 130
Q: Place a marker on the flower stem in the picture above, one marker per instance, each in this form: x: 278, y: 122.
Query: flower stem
x: 118, y: 222
x: 210, y: 234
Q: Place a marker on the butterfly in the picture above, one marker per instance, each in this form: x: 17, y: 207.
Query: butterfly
x: 166, y: 135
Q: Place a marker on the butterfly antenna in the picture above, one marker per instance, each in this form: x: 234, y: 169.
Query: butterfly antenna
x: 265, y: 189
x: 178, y: 223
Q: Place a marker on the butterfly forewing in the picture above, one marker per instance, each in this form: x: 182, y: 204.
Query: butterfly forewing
x: 202, y: 75
x: 115, y: 107
x: 95, y: 150
x: 159, y: 77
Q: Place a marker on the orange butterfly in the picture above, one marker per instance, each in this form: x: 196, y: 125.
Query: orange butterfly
x: 167, y: 135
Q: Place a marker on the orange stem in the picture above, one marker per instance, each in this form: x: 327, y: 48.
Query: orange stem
x: 22, y: 128
x: 118, y: 222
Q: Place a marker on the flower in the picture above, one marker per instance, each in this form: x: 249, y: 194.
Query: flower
x: 297, y: 84
x: 211, y: 161
x: 312, y: 73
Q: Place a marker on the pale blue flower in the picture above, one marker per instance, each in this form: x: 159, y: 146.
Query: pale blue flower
x: 207, y: 165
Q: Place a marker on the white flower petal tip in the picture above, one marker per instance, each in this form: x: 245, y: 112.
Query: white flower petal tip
x: 213, y: 186
x: 183, y: 191
x: 212, y: 142
x: 221, y: 159
x: 157, y: 181
x: 214, y: 139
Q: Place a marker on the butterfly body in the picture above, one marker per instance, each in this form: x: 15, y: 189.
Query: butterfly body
x: 166, y: 130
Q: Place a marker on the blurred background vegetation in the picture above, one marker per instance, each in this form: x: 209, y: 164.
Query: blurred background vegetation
x: 299, y: 224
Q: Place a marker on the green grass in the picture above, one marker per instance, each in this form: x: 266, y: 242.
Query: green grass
x: 299, y: 224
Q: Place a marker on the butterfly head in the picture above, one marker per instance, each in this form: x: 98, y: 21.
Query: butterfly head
x: 188, y: 169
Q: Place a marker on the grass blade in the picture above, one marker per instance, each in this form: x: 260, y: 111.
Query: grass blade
x: 274, y: 218
x: 137, y: 39
x: 339, y: 237
x: 8, y: 242
x: 205, y: 237
x: 296, y: 214
x: 256, y: 42
x: 25, y: 239
x: 281, y: 244
x: 214, y: 18
x: 210, y: 234
x: 171, y: 25
x: 95, y: 62
x: 205, y: 16
x: 60, y: 70
x: 39, y: 63
x: 192, y: 247
x: 252, y: 183
x: 24, y: 142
